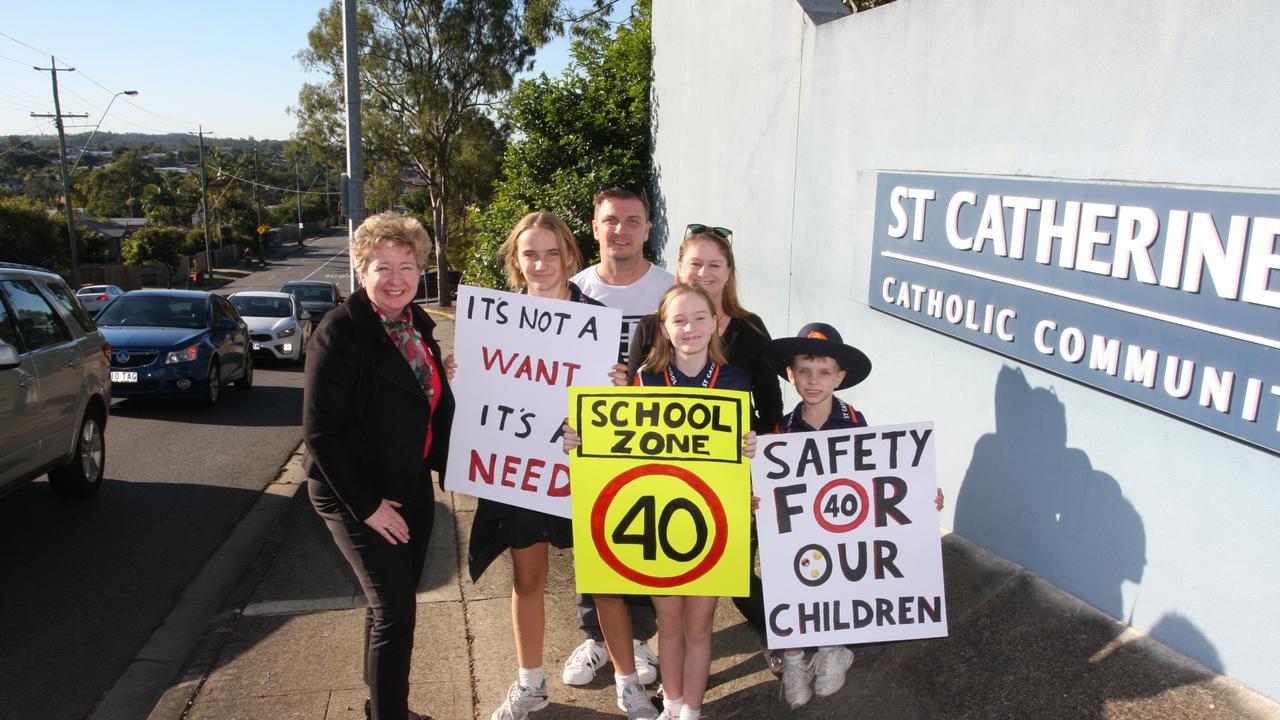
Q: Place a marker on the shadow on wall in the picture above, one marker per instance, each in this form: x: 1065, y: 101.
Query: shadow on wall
x: 1029, y: 497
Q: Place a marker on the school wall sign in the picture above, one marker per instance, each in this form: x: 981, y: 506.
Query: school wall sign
x: 1168, y: 297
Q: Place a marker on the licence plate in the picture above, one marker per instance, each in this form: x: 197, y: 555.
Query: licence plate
x: 124, y: 377
x: 257, y: 346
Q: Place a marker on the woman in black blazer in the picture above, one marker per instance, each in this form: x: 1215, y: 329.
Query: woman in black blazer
x: 376, y: 417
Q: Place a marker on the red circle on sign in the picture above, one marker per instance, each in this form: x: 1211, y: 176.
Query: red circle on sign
x: 846, y: 527
x: 610, y: 491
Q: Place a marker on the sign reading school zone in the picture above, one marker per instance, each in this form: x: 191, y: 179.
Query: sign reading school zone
x: 661, y: 491
x: 517, y: 355
x: 849, y: 543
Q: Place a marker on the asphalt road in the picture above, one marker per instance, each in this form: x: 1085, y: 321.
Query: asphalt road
x: 83, y: 584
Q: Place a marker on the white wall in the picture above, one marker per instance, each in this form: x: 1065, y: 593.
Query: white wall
x: 777, y: 127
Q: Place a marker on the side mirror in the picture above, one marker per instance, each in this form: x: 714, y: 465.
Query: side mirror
x: 9, y: 356
x: 306, y: 315
x: 227, y: 323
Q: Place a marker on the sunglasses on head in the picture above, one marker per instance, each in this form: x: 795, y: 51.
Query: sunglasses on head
x: 723, y: 233
x: 632, y: 188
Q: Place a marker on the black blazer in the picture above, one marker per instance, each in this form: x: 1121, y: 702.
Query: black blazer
x: 742, y: 341
x: 364, y: 416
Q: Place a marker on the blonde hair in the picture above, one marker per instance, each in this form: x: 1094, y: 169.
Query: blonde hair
x: 389, y: 228
x: 729, y: 296
x: 570, y: 255
x: 663, y: 352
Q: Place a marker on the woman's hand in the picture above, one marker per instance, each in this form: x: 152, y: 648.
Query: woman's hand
x: 572, y: 440
x: 389, y: 523
x: 939, y: 501
x: 619, y: 375
x: 755, y: 504
x: 749, y: 444
x: 450, y: 367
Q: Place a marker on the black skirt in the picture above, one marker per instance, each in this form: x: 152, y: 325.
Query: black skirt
x: 499, y: 526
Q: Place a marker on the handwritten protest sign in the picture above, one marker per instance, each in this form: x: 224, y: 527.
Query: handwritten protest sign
x: 516, y: 356
x: 661, y: 491
x: 849, y: 544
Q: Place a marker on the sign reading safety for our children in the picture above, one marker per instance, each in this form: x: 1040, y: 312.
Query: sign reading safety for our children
x: 849, y: 544
x: 517, y: 355
x: 661, y: 491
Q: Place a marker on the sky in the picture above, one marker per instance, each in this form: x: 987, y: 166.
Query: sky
x: 231, y: 70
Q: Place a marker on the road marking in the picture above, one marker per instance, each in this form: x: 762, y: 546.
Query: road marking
x: 341, y: 253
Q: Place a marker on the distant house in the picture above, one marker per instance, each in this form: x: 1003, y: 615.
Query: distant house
x: 114, y: 232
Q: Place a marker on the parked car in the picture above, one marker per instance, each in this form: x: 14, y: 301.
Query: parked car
x: 429, y: 284
x: 96, y: 297
x: 55, y: 385
x: 176, y: 343
x: 317, y: 297
x: 278, y: 325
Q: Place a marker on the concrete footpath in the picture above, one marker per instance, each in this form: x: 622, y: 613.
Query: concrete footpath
x: 287, y: 645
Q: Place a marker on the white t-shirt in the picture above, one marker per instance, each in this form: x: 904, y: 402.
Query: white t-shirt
x: 635, y: 300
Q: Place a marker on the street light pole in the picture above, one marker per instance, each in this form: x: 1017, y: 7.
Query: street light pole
x: 62, y: 155
x: 130, y: 93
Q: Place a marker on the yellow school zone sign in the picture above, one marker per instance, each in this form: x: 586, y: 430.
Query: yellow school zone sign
x: 661, y: 492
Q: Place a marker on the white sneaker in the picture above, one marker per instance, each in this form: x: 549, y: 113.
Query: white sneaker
x: 796, y: 678
x: 646, y: 662
x: 829, y: 667
x: 582, y: 665
x: 633, y: 701
x: 668, y: 715
x: 521, y: 701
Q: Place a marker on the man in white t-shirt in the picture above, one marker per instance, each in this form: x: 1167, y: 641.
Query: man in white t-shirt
x: 622, y: 279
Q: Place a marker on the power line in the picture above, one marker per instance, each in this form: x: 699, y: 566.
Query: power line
x: 29, y: 47
x: 247, y: 181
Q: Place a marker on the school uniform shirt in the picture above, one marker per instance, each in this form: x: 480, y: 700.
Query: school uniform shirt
x: 842, y: 417
x: 498, y: 526
x: 712, y: 376
x: 742, y: 341
x: 635, y: 300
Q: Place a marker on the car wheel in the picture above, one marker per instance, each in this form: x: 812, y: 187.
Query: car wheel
x: 215, y: 385
x: 246, y: 380
x: 83, y: 475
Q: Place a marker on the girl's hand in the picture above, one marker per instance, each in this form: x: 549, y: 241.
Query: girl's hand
x: 389, y: 523
x: 755, y: 504
x: 939, y: 501
x: 572, y: 440
x: 619, y: 375
x: 450, y: 367
x: 749, y: 444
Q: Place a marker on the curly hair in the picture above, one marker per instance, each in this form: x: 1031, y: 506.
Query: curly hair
x: 389, y: 228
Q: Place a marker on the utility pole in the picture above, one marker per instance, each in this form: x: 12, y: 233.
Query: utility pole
x: 297, y: 184
x: 62, y: 155
x: 204, y: 203
x: 355, y: 154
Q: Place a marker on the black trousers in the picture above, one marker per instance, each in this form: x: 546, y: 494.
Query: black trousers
x: 388, y: 574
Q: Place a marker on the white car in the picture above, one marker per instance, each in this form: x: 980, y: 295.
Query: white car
x: 96, y: 297
x: 278, y: 326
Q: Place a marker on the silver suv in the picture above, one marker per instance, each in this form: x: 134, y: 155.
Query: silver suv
x: 55, y: 385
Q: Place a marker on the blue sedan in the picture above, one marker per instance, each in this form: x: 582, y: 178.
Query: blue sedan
x: 175, y: 343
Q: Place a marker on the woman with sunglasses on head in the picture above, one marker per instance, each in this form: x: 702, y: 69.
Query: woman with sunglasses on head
x: 540, y: 254
x: 706, y: 261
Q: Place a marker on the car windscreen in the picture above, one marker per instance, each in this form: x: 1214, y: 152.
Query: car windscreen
x: 311, y: 293
x: 189, y: 313
x: 92, y: 290
x: 262, y: 306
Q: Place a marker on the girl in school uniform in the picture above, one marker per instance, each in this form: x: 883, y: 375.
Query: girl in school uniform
x: 687, y: 354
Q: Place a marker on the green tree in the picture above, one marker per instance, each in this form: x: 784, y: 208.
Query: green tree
x: 29, y: 234
x: 574, y: 133
x: 428, y: 68
x: 155, y: 244
x: 116, y: 190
